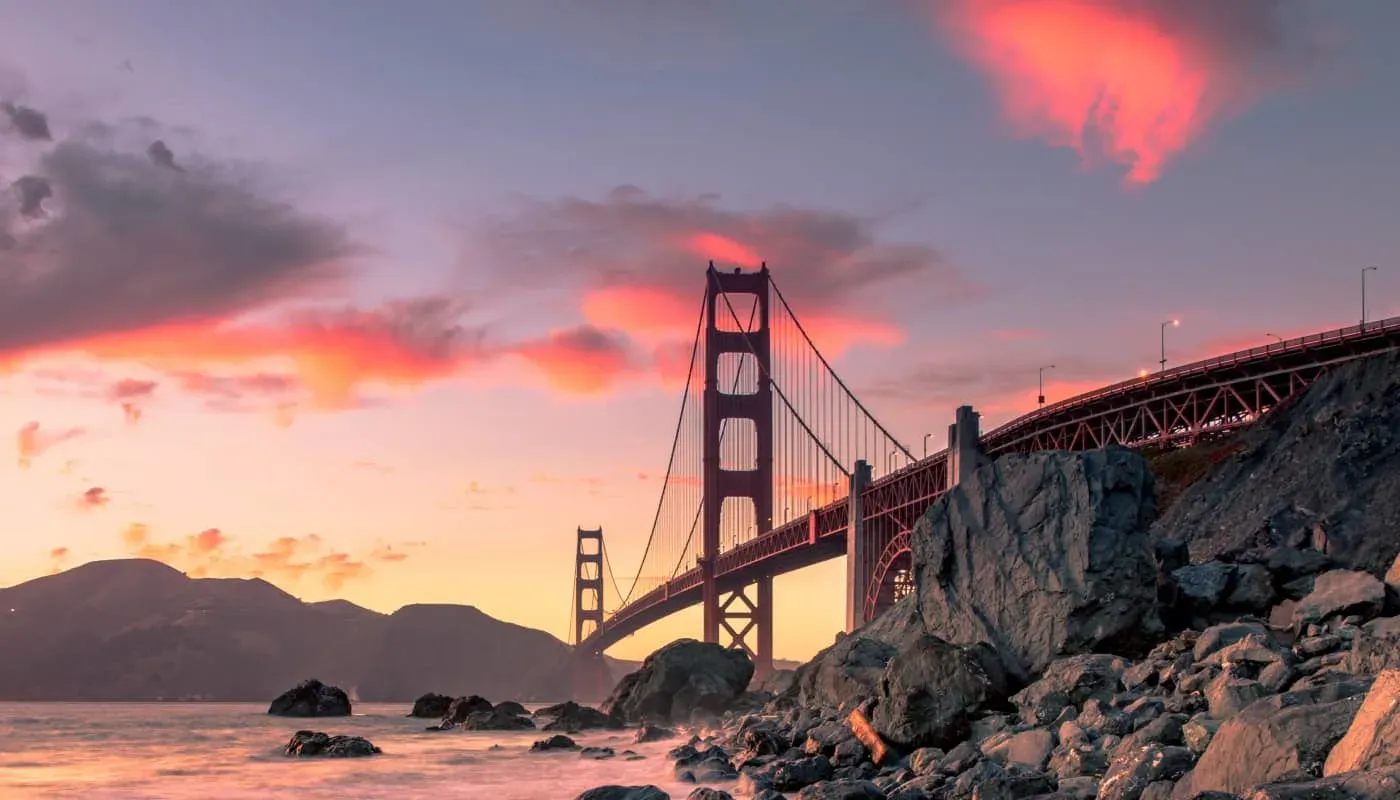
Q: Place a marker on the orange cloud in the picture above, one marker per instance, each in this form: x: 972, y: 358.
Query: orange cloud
x: 329, y: 353
x: 713, y: 246
x: 59, y: 558
x: 582, y: 360
x: 211, y: 553
x: 1138, y: 82
x: 31, y: 442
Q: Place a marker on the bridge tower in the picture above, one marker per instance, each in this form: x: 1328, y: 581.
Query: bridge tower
x: 745, y: 613
x: 588, y: 582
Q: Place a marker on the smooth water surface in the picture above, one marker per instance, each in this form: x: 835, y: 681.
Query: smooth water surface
x: 234, y: 750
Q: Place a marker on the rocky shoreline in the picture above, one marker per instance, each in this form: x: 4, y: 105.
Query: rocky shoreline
x: 1060, y: 644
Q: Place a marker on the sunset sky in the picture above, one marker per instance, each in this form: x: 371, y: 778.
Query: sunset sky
x: 382, y: 300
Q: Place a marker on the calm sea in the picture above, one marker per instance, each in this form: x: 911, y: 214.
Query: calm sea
x: 233, y: 750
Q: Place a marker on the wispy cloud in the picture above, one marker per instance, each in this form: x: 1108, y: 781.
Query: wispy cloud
x: 287, y: 559
x: 1136, y: 82
x: 32, y: 441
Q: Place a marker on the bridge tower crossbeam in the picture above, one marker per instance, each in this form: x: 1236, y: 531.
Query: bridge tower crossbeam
x: 745, y: 615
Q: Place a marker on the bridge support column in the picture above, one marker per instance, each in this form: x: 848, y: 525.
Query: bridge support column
x: 744, y: 616
x: 858, y: 556
x: 964, y: 446
x: 588, y: 583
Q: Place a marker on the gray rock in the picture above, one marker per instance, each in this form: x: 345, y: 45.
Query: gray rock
x: 1339, y: 593
x: 1373, y: 740
x: 311, y: 698
x: 1042, y: 556
x: 614, y: 792
x: 930, y: 691
x: 316, y: 743
x: 431, y: 706
x: 1218, y: 636
x: 1030, y: 749
x: 1382, y: 784
x: 1328, y: 462
x: 1278, y: 736
x: 1070, y: 682
x: 681, y: 678
x: 555, y: 742
x: 849, y: 669
x: 1133, y: 771
x: 842, y: 790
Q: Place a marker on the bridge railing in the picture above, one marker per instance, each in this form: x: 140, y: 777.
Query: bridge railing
x: 1300, y: 343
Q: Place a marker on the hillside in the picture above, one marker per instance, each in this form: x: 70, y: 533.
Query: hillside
x: 135, y: 629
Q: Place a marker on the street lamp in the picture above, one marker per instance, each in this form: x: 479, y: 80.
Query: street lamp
x: 1041, y: 400
x: 926, y: 444
x: 1364, y: 270
x: 1174, y: 323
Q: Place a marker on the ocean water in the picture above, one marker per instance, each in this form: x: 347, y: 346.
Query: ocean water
x: 234, y: 750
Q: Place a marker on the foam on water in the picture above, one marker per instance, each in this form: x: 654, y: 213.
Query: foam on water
x: 234, y: 750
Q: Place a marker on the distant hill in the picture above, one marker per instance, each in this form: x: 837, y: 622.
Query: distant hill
x: 135, y: 629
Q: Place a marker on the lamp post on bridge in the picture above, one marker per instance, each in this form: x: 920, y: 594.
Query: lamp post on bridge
x: 1174, y: 323
x: 1364, y: 270
x: 1040, y: 402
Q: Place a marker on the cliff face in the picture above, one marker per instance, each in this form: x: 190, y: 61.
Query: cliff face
x: 1321, y: 473
x: 137, y: 629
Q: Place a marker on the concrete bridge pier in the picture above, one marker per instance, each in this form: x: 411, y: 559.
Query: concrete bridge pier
x: 858, y: 557
x: 964, y: 446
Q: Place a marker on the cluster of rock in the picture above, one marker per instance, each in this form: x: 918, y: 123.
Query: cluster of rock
x: 316, y: 743
x: 1052, y: 649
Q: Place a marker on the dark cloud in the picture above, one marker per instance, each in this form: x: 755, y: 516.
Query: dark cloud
x: 136, y: 246
x: 31, y: 191
x: 29, y: 123
x: 631, y: 237
x: 162, y: 156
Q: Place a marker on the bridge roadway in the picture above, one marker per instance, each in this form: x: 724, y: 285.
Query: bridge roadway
x: 1178, y: 405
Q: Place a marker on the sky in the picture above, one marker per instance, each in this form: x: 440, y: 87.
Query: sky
x: 375, y: 300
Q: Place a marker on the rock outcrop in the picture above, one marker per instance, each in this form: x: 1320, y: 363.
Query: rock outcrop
x: 316, y: 743
x: 311, y: 698
x: 683, y: 677
x: 431, y: 706
x: 1042, y: 556
x: 1321, y: 472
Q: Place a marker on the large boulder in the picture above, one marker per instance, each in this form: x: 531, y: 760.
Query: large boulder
x: 1040, y: 556
x: 431, y: 706
x: 1321, y: 471
x: 1373, y: 740
x: 1284, y: 736
x: 846, y: 672
x: 311, y: 698
x: 931, y: 690
x: 683, y: 677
